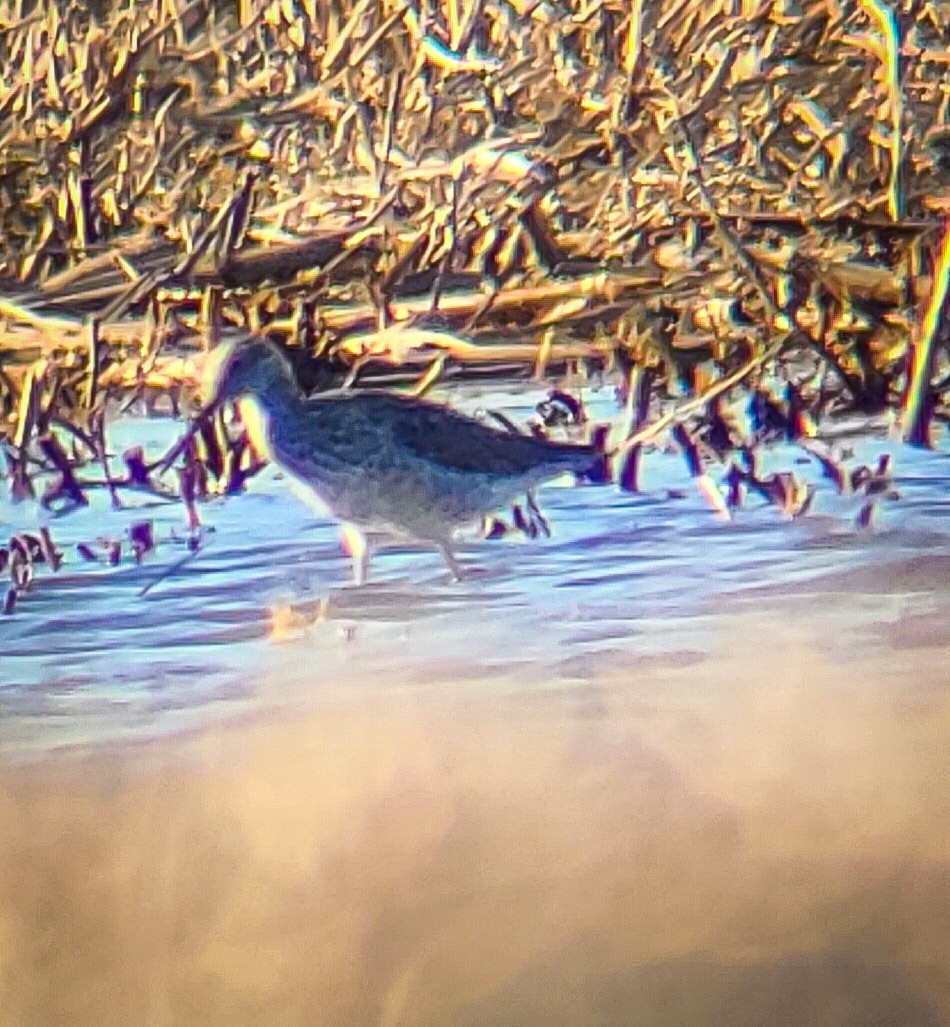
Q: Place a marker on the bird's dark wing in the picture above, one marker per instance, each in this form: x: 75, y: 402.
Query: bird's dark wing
x: 445, y: 437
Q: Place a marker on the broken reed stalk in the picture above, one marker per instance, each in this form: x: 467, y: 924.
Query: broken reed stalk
x: 690, y: 406
x: 92, y: 375
x: 885, y: 20
x: 639, y: 388
x: 918, y: 401
x: 730, y: 242
x: 676, y: 415
x: 431, y: 376
x: 421, y: 84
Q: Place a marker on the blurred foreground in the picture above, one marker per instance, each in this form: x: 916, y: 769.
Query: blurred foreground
x: 747, y: 837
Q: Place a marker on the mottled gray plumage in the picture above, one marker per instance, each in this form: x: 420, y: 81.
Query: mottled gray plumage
x: 386, y: 462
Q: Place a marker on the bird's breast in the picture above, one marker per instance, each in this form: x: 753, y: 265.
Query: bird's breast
x: 257, y: 421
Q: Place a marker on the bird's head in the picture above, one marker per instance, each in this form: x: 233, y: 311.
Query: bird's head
x: 250, y: 367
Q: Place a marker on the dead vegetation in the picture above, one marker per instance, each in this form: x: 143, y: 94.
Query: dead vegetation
x: 692, y: 194
x: 550, y: 180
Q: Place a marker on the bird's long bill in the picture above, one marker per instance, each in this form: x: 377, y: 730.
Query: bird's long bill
x: 204, y: 414
x: 213, y: 385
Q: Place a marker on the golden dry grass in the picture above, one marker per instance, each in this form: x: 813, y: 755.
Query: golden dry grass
x: 203, y: 166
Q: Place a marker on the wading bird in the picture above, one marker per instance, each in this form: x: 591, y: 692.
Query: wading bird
x: 381, y: 462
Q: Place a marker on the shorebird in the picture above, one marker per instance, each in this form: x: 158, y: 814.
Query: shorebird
x: 381, y: 462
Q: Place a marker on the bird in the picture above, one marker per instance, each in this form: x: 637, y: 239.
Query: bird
x: 382, y: 462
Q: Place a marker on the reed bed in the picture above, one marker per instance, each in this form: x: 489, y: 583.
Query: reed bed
x: 701, y: 197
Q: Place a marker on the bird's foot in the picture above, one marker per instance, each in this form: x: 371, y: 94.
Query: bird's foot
x: 458, y: 572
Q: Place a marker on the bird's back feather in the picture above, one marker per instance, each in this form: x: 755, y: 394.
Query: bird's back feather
x: 441, y: 436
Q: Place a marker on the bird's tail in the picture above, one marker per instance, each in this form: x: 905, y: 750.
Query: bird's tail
x: 599, y: 470
x: 589, y: 462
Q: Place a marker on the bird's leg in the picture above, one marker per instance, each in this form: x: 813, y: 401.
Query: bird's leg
x: 454, y: 566
x: 539, y: 519
x: 357, y: 545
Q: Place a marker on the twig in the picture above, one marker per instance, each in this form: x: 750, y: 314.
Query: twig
x: 698, y: 402
x: 168, y: 571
